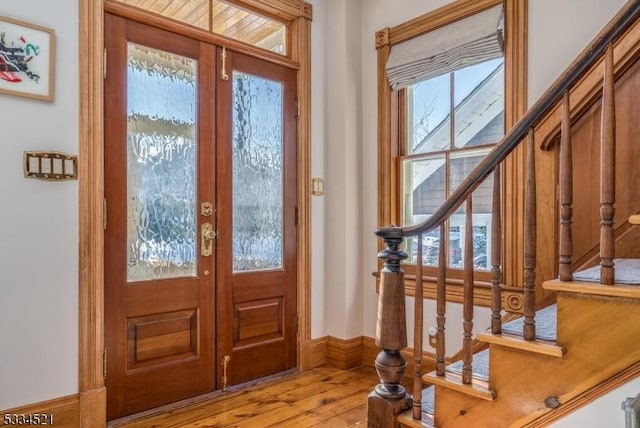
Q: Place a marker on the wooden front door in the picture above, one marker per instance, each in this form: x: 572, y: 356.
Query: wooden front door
x: 257, y: 219
x: 159, y: 174
x: 200, y: 243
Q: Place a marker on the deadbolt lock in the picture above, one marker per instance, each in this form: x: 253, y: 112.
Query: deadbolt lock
x: 206, y: 209
x: 207, y: 235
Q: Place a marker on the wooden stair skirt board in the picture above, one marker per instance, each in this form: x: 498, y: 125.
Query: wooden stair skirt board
x: 533, y: 388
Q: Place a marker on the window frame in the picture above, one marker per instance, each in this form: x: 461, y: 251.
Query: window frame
x: 392, y: 124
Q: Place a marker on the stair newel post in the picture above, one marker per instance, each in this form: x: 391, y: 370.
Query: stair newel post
x: 566, y: 193
x: 496, y: 255
x: 418, y: 335
x: 389, y: 398
x: 530, y: 242
x: 441, y: 301
x: 607, y: 171
x: 467, y: 304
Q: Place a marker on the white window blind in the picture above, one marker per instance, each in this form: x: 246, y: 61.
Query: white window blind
x: 469, y: 41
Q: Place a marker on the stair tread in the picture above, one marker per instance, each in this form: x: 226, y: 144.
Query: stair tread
x: 537, y: 346
x: 627, y: 271
x: 546, y: 324
x: 479, y: 368
x: 406, y: 419
x: 453, y: 377
x: 593, y: 288
x: 452, y: 381
x: 427, y: 410
x: 428, y: 400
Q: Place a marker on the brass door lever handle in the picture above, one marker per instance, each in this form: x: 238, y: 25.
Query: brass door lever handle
x: 207, y: 235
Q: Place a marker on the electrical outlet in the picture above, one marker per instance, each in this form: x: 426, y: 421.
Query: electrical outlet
x: 433, y: 341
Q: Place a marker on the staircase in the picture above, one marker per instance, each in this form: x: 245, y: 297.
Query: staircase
x: 522, y: 383
x: 557, y: 356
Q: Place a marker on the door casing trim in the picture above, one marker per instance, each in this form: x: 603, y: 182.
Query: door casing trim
x: 91, y: 368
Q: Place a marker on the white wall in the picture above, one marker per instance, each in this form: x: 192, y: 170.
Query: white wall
x: 318, y: 139
x: 39, y: 227
x: 606, y: 411
x: 558, y: 31
x: 343, y: 68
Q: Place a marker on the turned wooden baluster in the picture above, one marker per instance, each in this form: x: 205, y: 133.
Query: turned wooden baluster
x: 530, y: 243
x: 496, y: 255
x: 441, y: 302
x: 418, y: 336
x: 566, y: 193
x: 389, y: 398
x: 467, y: 303
x: 607, y: 172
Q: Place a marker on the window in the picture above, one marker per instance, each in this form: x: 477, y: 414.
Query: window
x: 225, y: 18
x: 441, y: 113
x: 452, y: 122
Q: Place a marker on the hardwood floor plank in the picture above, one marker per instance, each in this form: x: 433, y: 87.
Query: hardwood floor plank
x: 227, y: 402
x: 313, y: 409
x: 355, y: 416
x: 293, y: 402
x: 322, y: 414
x: 322, y: 397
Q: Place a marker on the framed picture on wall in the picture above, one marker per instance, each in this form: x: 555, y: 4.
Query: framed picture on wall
x: 27, y: 55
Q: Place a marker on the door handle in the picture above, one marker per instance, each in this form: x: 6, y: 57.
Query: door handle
x: 207, y: 235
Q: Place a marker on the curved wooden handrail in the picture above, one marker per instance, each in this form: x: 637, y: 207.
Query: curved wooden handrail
x: 587, y: 58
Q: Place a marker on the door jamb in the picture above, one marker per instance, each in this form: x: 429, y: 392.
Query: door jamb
x: 92, y: 356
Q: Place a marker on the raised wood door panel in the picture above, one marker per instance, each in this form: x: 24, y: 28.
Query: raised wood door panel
x: 159, y: 300
x: 257, y: 219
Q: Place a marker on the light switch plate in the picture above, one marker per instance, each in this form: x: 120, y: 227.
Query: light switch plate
x: 50, y: 166
x: 317, y: 186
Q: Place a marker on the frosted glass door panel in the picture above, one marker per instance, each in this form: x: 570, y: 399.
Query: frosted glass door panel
x: 257, y: 173
x: 161, y: 165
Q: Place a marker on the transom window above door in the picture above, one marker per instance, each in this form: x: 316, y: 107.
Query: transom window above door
x: 224, y: 18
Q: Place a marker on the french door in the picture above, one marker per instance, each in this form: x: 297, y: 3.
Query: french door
x: 257, y: 240
x: 200, y: 243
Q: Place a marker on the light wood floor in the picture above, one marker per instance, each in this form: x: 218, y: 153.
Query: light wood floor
x: 323, y: 397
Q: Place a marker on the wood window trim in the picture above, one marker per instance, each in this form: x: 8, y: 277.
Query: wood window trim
x: 91, y: 368
x: 389, y: 197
